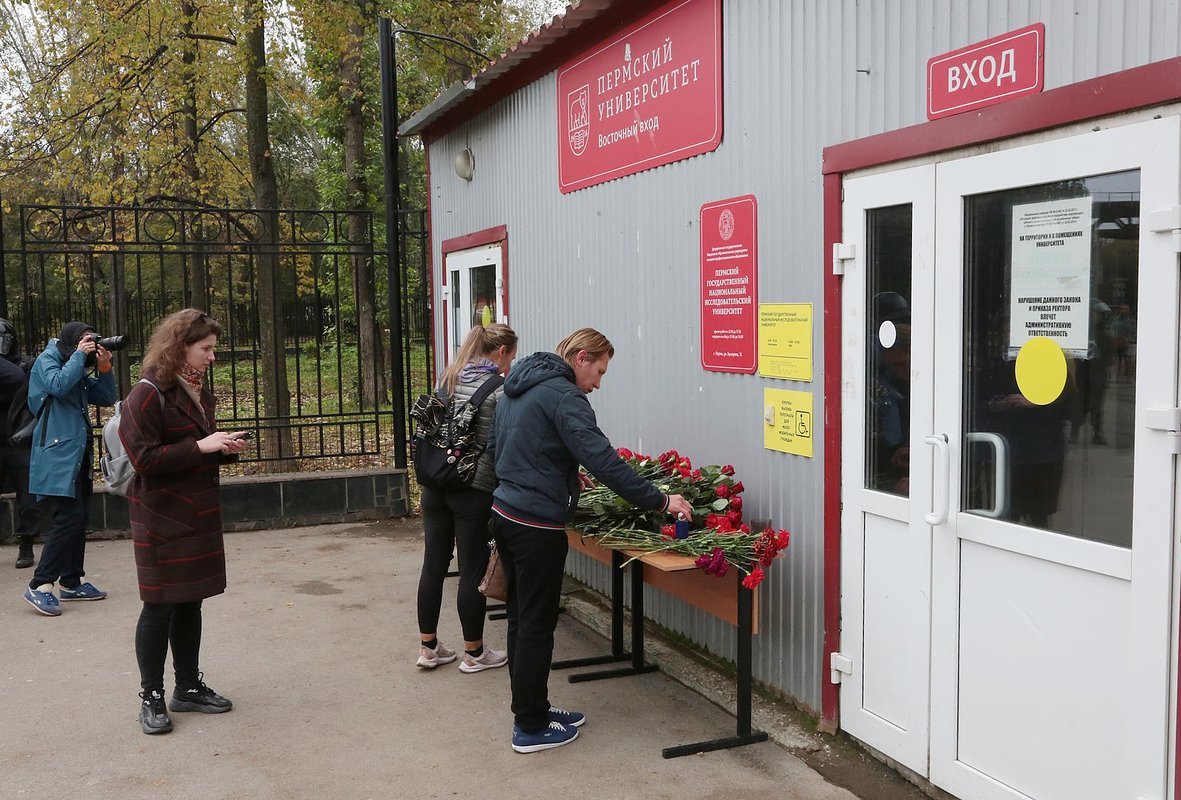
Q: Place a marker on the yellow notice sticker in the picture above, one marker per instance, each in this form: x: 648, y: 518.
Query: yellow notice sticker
x: 787, y: 422
x: 785, y: 341
x: 1041, y: 371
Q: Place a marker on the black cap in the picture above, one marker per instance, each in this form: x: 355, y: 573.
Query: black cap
x: 890, y: 306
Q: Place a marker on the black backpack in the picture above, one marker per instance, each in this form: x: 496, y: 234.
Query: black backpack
x: 21, y: 420
x: 444, y: 448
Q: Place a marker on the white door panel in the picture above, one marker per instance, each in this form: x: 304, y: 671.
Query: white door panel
x: 885, y: 611
x: 1050, y: 656
x: 474, y: 291
x: 1022, y: 648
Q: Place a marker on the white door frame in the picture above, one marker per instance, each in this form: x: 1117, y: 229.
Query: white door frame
x: 1153, y: 148
x: 885, y: 604
x: 457, y: 297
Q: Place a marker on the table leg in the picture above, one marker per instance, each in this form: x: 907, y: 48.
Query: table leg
x: 638, y: 667
x: 617, y: 652
x: 743, y: 711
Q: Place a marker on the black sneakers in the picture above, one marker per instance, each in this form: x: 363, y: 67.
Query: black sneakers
x: 153, y: 717
x: 24, y: 556
x: 199, y: 697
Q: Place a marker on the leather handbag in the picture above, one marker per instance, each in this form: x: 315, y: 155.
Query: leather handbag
x: 494, y: 585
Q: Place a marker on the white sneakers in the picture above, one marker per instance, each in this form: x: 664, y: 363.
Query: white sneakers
x: 489, y: 659
x: 429, y: 659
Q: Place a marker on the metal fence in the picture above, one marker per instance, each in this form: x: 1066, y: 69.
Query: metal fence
x: 296, y: 362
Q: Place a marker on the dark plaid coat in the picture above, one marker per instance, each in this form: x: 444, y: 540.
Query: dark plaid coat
x: 175, y: 501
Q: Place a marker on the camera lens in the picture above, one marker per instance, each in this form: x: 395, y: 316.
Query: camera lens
x: 113, y: 343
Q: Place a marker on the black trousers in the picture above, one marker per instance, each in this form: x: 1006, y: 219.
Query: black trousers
x: 534, y: 563
x: 64, y: 554
x: 15, y: 462
x: 454, y: 521
x: 161, y: 624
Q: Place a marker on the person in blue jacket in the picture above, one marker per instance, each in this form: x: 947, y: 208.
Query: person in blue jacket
x: 545, y: 428
x: 61, y: 390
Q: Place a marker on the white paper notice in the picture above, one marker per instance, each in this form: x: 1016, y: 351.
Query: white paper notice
x: 1051, y: 288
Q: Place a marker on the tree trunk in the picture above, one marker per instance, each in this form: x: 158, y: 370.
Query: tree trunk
x: 370, y: 355
x: 272, y: 362
x: 199, y: 269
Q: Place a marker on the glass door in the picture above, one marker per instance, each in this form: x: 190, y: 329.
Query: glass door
x: 474, y: 291
x: 886, y: 492
x: 1050, y: 634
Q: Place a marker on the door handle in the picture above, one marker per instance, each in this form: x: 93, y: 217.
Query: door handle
x: 1000, y: 449
x: 940, y: 498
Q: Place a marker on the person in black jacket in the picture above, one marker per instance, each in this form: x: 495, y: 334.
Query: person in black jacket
x: 457, y: 520
x: 14, y: 460
x: 545, y: 427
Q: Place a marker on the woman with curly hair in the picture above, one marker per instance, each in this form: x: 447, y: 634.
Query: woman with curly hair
x: 167, y: 426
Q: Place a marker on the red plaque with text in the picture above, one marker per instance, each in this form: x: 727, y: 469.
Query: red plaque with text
x: 729, y: 285
x: 1002, y: 68
x: 650, y: 95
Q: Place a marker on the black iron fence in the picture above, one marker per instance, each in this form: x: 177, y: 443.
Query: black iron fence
x: 304, y: 357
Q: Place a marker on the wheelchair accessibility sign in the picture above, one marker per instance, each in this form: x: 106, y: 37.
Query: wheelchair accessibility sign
x: 787, y: 421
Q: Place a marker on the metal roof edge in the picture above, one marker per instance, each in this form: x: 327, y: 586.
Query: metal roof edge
x: 582, y: 24
x: 451, y: 97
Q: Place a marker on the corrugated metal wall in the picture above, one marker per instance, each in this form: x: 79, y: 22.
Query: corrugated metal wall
x: 623, y: 256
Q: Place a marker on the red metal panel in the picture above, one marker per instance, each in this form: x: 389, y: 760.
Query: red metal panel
x: 430, y: 270
x: 1141, y: 87
x: 491, y: 235
x: 829, y: 695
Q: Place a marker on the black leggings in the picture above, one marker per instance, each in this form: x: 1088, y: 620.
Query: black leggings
x: 454, y: 521
x: 159, y: 625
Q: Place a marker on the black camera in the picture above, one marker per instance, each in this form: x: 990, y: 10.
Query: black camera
x: 111, y: 343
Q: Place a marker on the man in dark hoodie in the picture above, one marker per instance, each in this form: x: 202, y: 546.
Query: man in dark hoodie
x: 61, y: 391
x: 545, y: 428
x: 14, y: 460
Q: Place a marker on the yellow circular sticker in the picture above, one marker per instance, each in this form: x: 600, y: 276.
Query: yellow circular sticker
x: 1041, y: 371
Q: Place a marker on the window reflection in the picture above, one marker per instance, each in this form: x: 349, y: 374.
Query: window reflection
x: 1063, y: 465
x: 888, y: 254
x: 483, y: 299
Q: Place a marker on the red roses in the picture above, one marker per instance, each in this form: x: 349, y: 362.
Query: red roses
x: 718, y: 537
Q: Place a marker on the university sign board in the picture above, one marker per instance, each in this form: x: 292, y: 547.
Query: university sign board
x: 986, y: 73
x: 651, y: 95
x: 730, y: 284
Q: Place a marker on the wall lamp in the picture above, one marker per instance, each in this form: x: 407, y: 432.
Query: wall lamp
x: 465, y: 164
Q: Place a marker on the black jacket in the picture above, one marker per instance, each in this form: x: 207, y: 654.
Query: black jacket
x: 545, y: 427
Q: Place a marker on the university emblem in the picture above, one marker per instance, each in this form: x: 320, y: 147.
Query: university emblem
x: 726, y: 224
x: 578, y: 128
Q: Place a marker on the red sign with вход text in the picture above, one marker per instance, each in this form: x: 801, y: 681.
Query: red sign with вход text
x: 986, y: 73
x: 729, y: 285
x: 649, y: 96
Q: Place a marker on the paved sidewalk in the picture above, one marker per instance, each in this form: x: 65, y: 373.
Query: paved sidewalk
x: 314, y: 641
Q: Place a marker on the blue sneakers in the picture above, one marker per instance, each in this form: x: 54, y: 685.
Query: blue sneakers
x: 570, y: 719
x: 555, y: 735
x: 85, y: 591
x: 44, y: 602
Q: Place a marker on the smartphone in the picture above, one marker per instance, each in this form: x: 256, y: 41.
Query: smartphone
x: 245, y: 435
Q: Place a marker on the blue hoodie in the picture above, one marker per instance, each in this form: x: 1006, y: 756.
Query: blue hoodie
x: 545, y: 427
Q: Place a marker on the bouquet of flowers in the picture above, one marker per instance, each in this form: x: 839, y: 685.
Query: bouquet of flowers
x: 717, y: 537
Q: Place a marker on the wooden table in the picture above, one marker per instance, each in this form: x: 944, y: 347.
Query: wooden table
x: 679, y: 576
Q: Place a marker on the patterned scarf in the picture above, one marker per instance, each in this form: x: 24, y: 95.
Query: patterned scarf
x: 193, y: 377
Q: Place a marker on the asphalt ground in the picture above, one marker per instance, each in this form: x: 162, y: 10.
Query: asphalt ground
x: 315, y: 642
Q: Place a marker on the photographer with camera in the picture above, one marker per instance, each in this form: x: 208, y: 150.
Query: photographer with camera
x: 61, y: 390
